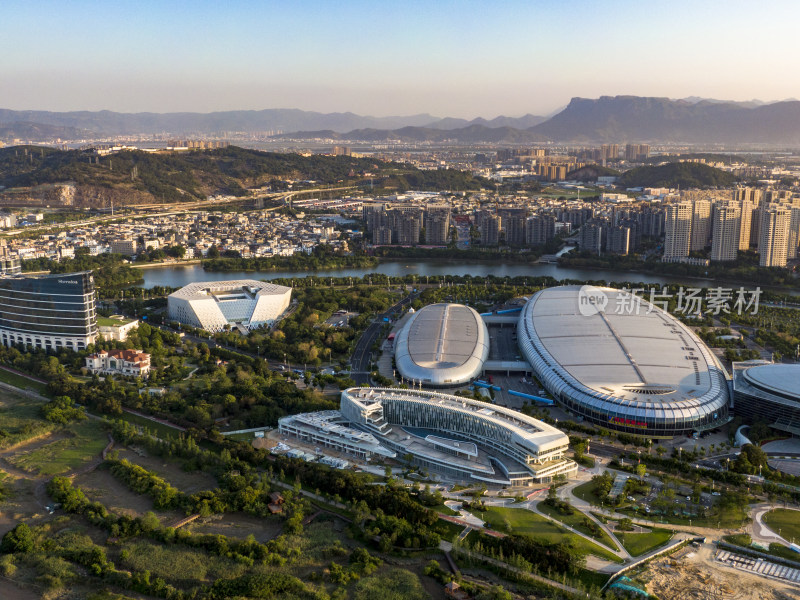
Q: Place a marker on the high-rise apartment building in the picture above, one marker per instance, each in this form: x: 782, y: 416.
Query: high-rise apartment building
x: 609, y: 152
x: 773, y: 240
x: 678, y: 230
x: 513, y: 225
x: 539, y: 230
x: 618, y: 239
x: 725, y: 235
x: 490, y: 229
x: 591, y: 239
x: 637, y: 151
x: 745, y: 224
x: 437, y: 225
x: 407, y: 226
x: 794, y: 233
x: 701, y: 224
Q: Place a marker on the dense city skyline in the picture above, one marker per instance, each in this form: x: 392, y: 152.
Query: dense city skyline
x: 460, y: 59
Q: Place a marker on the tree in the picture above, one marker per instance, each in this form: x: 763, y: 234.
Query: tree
x: 19, y: 539
x: 641, y: 470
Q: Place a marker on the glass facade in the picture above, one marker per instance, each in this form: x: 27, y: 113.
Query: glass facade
x: 49, y: 311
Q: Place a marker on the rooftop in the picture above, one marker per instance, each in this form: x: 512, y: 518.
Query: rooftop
x: 442, y: 343
x: 778, y: 379
x: 631, y: 350
x: 222, y: 290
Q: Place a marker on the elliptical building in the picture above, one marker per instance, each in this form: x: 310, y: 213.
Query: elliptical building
x: 211, y: 305
x: 767, y: 392
x: 462, y: 438
x: 442, y: 345
x: 48, y: 311
x: 620, y: 362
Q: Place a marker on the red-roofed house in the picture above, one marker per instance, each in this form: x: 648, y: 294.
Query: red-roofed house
x: 119, y: 362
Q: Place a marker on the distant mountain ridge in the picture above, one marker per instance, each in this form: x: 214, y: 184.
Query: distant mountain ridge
x: 638, y: 119
x: 606, y: 119
x: 80, y: 124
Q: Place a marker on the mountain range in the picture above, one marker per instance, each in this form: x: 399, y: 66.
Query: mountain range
x: 605, y: 119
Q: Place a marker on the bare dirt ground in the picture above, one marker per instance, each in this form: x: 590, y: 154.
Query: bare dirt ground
x: 100, y: 485
x: 239, y: 525
x: 186, y: 482
x: 693, y: 574
x: 10, y: 591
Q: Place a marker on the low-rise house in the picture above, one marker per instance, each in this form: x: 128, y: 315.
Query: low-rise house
x: 119, y: 362
x: 116, y: 327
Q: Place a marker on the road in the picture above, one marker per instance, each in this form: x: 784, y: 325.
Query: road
x: 360, y: 359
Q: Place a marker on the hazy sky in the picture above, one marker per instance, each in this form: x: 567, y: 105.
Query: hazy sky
x: 377, y: 57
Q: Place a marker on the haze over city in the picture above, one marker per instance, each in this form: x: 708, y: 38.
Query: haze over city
x: 459, y: 59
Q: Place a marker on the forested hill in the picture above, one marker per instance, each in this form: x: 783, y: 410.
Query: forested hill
x: 685, y: 175
x: 138, y: 177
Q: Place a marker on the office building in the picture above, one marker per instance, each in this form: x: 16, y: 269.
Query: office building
x: 48, y: 311
x: 461, y: 438
x: 215, y: 305
x: 773, y: 241
x: 725, y: 235
x: 678, y: 230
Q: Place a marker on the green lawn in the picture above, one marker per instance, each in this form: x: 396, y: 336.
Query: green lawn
x: 732, y: 519
x: 784, y: 522
x: 586, y: 492
x: 22, y: 382
x: 85, y: 442
x: 524, y: 522
x: 575, y: 521
x: 445, y: 510
x: 641, y: 543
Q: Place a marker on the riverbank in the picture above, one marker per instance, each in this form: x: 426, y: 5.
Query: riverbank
x: 161, y: 265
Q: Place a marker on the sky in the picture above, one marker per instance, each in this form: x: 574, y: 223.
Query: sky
x: 446, y: 58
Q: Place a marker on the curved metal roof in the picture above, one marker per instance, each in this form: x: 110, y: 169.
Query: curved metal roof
x: 442, y: 344
x: 614, y: 350
x: 778, y: 379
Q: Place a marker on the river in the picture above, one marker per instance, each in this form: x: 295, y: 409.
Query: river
x: 180, y: 275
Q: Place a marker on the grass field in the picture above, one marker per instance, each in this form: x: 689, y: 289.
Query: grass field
x: 784, y: 522
x: 641, y: 543
x: 20, y: 419
x: 85, y: 442
x: 178, y: 564
x: 525, y: 522
x: 22, y: 382
x: 575, y: 521
x: 157, y: 429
